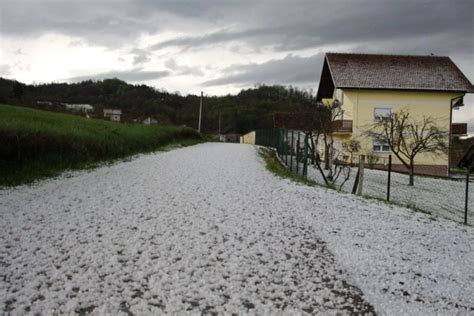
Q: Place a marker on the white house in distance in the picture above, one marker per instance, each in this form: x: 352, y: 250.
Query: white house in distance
x: 78, y: 107
x: 113, y: 114
x: 150, y: 121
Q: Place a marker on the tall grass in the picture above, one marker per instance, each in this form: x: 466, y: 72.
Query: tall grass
x: 35, y: 144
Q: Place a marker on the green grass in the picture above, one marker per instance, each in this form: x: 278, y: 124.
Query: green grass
x: 273, y: 165
x: 36, y: 144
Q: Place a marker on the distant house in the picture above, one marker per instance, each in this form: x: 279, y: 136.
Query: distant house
x: 369, y: 87
x: 113, y: 114
x: 150, y: 121
x: 44, y: 102
x: 78, y: 107
x: 248, y: 138
x: 229, y: 138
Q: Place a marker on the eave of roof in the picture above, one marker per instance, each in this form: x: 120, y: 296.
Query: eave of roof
x: 396, y: 72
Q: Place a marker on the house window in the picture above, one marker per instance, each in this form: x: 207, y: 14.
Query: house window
x: 380, y: 147
x: 381, y: 113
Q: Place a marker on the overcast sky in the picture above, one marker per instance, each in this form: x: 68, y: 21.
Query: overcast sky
x: 222, y: 46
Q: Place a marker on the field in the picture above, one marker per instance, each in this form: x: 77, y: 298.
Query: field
x: 35, y: 144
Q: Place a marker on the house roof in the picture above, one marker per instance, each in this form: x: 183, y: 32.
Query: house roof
x: 401, y: 72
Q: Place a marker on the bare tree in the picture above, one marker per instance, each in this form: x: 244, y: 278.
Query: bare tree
x: 407, y: 137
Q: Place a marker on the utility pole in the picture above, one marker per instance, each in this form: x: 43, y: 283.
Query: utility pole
x: 219, y: 123
x: 200, y: 114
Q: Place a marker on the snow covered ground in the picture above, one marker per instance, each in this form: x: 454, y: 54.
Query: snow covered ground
x: 208, y: 229
x: 437, y: 196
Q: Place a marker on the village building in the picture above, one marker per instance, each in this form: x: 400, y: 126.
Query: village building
x: 150, y: 121
x: 369, y: 86
x: 113, y: 114
x: 78, y: 107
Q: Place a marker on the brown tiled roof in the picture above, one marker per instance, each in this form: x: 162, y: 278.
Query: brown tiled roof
x: 437, y: 73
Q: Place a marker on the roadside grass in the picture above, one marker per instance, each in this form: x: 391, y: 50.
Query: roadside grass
x: 36, y: 144
x: 275, y: 166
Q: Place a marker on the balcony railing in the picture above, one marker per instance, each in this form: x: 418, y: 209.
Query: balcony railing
x: 458, y: 129
x: 344, y: 126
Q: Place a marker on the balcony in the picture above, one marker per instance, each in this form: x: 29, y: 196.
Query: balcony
x: 459, y: 129
x: 342, y: 126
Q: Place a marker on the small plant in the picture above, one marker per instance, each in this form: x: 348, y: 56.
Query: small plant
x: 372, y: 160
x: 351, y: 147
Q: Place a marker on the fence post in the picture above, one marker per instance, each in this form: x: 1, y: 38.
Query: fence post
x: 361, y: 174
x: 389, y: 175
x: 279, y: 141
x: 297, y: 152
x: 356, y: 182
x: 285, y: 147
x: 291, y: 150
x: 305, y: 156
x: 467, y: 197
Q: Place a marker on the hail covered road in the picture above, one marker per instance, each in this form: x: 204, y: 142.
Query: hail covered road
x: 208, y: 229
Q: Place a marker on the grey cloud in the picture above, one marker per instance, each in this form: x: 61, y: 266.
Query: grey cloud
x: 134, y: 75
x: 141, y: 56
x: 289, y: 70
x: 183, y: 69
x: 382, y: 26
x: 5, y: 70
x: 309, y: 25
x: 278, y: 24
x: 209, y: 38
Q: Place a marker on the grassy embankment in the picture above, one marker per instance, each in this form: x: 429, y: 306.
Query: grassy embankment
x: 36, y: 144
x: 274, y: 165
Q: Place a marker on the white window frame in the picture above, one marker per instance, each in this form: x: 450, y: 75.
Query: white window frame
x: 378, y: 147
x: 388, y: 109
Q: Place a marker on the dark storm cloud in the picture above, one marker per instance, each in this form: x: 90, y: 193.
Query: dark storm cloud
x: 134, y: 75
x: 434, y: 23
x: 382, y: 26
x: 212, y: 38
x: 289, y: 70
x: 282, y: 25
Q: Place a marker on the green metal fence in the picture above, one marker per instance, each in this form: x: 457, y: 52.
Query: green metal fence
x: 291, y: 146
x: 293, y: 150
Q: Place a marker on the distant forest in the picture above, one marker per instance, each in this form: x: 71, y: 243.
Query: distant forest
x: 249, y: 110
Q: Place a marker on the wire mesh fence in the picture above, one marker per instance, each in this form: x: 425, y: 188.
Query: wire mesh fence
x: 441, y: 197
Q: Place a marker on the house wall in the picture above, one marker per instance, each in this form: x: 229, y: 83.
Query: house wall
x: 248, y: 138
x: 115, y: 118
x: 359, y: 106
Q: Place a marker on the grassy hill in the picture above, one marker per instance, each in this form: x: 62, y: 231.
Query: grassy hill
x: 36, y: 144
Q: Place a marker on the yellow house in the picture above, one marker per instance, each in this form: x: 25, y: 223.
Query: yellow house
x: 369, y: 86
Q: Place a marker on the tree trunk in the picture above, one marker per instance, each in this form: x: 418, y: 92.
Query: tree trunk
x: 412, y: 174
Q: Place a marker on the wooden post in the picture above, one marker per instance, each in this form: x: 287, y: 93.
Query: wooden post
x: 389, y: 176
x: 356, y: 182
x: 361, y: 174
x: 467, y: 197
x: 305, y: 156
